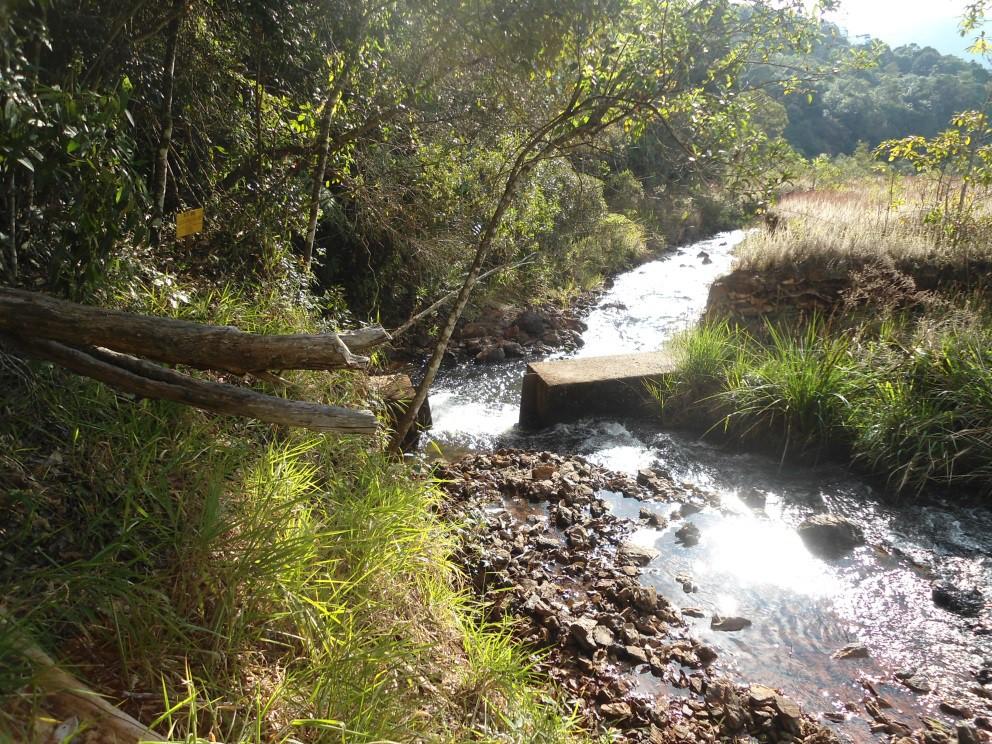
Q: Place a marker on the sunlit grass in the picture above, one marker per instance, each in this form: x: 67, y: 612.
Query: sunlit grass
x: 909, y: 398
x: 225, y: 580
x: 868, y: 220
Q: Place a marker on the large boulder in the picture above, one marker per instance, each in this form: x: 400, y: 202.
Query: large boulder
x: 532, y: 322
x: 830, y: 535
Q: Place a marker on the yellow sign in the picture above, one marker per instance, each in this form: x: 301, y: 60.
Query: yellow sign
x: 189, y: 223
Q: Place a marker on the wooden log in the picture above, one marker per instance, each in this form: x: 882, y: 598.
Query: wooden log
x: 70, y: 698
x: 152, y: 381
x: 364, y: 340
x: 32, y: 315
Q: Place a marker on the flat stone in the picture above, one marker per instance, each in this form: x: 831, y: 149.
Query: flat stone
x: 637, y: 554
x: 851, y: 651
x: 729, y: 624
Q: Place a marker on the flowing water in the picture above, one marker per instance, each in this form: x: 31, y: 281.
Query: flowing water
x: 750, y: 560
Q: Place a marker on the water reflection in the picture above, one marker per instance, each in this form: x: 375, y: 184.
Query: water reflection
x: 749, y: 560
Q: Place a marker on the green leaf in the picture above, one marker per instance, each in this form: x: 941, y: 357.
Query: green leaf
x: 26, y: 163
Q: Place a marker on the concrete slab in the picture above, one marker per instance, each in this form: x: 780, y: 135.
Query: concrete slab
x: 593, y: 387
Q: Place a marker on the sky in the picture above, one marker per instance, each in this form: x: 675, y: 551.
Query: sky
x: 897, y: 22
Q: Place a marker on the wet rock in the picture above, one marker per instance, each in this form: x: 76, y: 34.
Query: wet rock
x: 967, y: 735
x: 917, y: 683
x: 512, y: 349
x: 955, y: 708
x: 760, y: 695
x: 639, y: 555
x: 636, y: 654
x: 616, y: 711
x: 490, y: 354
x: 964, y: 601
x: 851, y: 651
x: 688, y: 534
x: 693, y: 612
x: 830, y: 535
x: 531, y: 322
x: 687, y: 584
x: 984, y: 676
x: 689, y: 508
x: 706, y: 654
x: 729, y: 624
x: 652, y: 517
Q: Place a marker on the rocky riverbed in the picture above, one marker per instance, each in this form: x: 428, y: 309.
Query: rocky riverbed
x: 541, y: 545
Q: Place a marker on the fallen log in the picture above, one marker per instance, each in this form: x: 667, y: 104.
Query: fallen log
x: 153, y: 381
x: 70, y: 698
x: 171, y: 341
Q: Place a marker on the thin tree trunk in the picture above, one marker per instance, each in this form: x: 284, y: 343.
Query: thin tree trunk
x: 323, y: 153
x: 165, y: 139
x: 12, y: 225
x: 405, y: 423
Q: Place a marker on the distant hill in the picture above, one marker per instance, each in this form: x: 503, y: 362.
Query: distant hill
x: 913, y: 90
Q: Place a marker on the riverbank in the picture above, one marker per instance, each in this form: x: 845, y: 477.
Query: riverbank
x: 750, y: 560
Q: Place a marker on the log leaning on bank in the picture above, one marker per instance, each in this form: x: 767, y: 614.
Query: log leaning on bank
x: 172, y: 341
x: 89, y: 341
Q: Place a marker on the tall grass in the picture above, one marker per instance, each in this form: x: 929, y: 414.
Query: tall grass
x: 795, y: 386
x: 224, y: 580
x: 910, y: 398
x: 868, y: 220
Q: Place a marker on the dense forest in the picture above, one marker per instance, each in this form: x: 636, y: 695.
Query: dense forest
x: 901, y: 91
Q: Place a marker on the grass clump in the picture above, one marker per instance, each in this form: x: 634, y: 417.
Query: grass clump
x: 908, y: 399
x: 224, y: 580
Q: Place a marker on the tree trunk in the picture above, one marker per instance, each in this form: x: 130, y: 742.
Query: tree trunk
x: 11, y: 262
x: 481, y: 252
x: 165, y: 139
x: 32, y: 315
x: 152, y: 381
x: 323, y: 153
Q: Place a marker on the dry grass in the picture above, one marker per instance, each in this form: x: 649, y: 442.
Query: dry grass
x: 871, y: 220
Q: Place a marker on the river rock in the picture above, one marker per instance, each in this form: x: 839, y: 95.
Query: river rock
x: 589, y: 634
x: 688, y: 534
x: 652, y: 517
x: 917, y: 684
x: 490, y: 354
x: 639, y: 555
x: 541, y: 472
x: 967, y: 602
x: 830, y: 535
x: 729, y: 624
x: 851, y: 651
x: 967, y: 735
x: 531, y: 322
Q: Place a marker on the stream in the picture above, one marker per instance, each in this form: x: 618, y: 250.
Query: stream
x: 750, y: 560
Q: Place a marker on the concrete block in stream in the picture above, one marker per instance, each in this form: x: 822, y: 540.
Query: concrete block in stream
x: 594, y: 387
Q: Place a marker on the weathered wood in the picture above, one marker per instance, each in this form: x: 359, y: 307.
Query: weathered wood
x: 364, y: 340
x: 152, y: 381
x: 70, y: 698
x: 32, y: 315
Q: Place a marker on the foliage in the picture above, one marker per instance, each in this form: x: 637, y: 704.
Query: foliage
x: 878, y: 93
x: 239, y: 584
